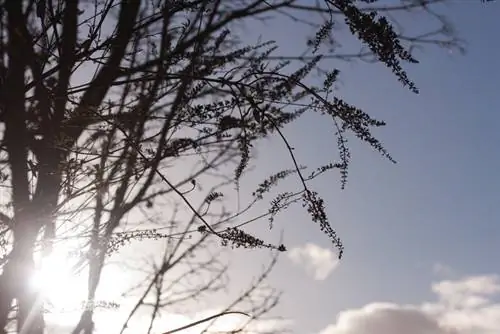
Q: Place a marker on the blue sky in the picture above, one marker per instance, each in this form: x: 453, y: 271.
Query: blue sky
x: 421, y: 237
x: 438, y: 207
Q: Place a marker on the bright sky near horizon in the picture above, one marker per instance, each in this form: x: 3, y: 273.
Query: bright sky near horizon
x: 421, y: 236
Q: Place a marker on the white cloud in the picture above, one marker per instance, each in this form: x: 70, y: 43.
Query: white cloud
x: 387, y: 319
x: 317, y: 261
x: 465, y: 306
x: 458, y: 292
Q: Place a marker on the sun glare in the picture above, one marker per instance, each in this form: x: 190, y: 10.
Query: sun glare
x: 59, y: 287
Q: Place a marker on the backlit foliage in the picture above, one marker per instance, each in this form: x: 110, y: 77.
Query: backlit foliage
x: 103, y: 104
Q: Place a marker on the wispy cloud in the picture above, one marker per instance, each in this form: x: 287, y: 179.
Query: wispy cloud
x: 442, y: 270
x: 463, y: 306
x: 317, y: 261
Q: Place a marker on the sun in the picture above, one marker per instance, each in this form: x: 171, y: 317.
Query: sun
x: 61, y: 289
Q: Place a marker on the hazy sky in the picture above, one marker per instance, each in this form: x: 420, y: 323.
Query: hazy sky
x: 422, y: 237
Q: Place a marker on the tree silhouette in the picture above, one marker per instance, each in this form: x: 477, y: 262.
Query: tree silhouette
x: 110, y: 107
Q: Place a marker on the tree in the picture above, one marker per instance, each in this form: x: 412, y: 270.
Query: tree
x: 98, y: 101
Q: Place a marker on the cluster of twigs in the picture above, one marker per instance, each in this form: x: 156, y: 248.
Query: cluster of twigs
x: 103, y: 105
